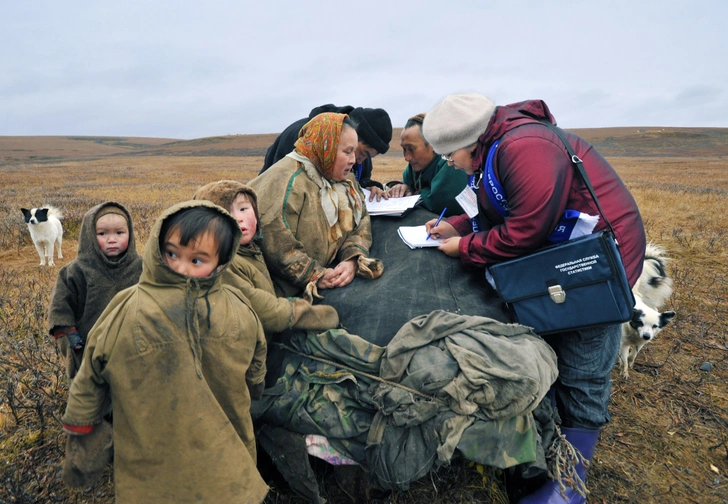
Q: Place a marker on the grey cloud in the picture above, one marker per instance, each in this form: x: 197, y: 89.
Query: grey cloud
x: 185, y: 69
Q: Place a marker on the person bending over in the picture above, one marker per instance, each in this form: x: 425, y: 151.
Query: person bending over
x: 532, y: 171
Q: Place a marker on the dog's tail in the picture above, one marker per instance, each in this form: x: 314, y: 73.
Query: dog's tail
x: 653, y: 285
x: 53, y: 211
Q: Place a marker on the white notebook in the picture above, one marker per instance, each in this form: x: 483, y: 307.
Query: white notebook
x: 392, y: 206
x: 416, y: 237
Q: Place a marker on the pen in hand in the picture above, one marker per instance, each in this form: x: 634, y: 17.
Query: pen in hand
x: 436, y: 223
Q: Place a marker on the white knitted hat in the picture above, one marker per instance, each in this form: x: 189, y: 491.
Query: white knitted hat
x: 457, y: 121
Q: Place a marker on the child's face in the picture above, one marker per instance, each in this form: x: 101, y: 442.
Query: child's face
x: 198, y: 258
x: 112, y: 235
x: 242, y: 211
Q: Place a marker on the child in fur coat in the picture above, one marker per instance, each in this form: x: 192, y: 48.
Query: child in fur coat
x: 174, y: 354
x: 107, y: 263
x: 249, y: 273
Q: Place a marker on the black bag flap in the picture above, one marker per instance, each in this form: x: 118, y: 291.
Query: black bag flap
x: 582, y: 261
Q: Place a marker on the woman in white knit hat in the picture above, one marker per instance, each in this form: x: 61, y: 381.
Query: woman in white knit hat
x: 523, y: 181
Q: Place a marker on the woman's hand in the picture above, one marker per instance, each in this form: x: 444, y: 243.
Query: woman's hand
x: 399, y: 191
x: 451, y: 246
x: 339, y: 276
x: 441, y: 231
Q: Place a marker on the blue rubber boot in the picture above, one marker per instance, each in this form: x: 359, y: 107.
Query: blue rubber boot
x: 583, y: 440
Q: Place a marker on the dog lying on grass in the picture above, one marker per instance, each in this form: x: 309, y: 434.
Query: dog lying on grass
x: 650, y: 292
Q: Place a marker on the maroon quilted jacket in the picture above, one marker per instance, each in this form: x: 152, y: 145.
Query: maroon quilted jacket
x: 540, y: 182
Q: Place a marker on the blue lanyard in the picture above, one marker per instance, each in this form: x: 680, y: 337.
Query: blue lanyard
x: 496, y: 193
x: 358, y: 167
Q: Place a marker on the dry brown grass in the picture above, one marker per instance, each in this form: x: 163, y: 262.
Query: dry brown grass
x: 668, y: 441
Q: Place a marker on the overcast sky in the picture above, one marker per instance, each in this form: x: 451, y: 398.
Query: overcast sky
x: 186, y: 69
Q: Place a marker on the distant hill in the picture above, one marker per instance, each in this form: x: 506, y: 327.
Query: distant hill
x: 611, y: 142
x: 54, y: 148
x: 657, y: 142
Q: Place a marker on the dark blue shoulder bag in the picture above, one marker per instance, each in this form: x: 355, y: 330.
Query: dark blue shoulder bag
x: 573, y: 284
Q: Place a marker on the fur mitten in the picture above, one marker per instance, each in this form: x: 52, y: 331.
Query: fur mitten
x: 369, y: 267
x: 87, y: 456
x: 308, y: 317
x: 310, y: 292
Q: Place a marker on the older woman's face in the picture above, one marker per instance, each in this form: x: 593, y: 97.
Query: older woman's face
x: 345, y: 154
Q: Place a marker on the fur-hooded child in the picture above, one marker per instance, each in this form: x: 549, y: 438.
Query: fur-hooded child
x: 174, y: 353
x: 85, y: 286
x: 249, y: 273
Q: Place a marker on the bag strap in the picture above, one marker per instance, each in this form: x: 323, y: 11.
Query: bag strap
x: 579, y: 165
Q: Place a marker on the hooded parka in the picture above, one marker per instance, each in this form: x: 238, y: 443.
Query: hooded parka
x: 176, y: 355
x: 249, y: 273
x: 86, y: 285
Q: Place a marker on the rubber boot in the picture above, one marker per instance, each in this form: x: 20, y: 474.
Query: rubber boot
x: 583, y: 440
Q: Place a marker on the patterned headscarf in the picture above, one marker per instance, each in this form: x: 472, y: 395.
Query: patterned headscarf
x: 318, y: 140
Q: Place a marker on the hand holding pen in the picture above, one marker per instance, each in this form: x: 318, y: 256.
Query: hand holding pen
x: 442, y: 214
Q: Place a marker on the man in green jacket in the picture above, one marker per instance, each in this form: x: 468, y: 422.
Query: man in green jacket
x: 426, y: 174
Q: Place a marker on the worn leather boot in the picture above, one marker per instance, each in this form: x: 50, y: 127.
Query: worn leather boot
x: 583, y: 440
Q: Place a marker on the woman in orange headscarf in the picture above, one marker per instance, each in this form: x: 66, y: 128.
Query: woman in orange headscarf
x: 316, y: 232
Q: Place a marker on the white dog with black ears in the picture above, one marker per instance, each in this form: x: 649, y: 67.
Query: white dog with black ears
x: 652, y: 289
x: 45, y: 228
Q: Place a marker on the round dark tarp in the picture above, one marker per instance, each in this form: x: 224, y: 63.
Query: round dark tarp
x: 414, y: 282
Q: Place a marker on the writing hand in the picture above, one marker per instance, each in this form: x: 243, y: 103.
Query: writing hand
x: 441, y: 231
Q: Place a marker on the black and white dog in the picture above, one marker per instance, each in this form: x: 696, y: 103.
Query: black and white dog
x: 46, y: 231
x: 650, y: 292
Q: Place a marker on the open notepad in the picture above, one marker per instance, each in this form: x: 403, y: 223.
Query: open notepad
x: 416, y: 237
x: 393, y: 206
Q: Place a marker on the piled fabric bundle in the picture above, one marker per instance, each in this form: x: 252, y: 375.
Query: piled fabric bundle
x: 445, y: 382
x: 425, y: 369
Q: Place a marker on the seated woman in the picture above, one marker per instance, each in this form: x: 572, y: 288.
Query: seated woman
x: 315, y: 226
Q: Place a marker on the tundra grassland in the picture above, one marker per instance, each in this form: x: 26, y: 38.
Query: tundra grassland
x: 668, y: 440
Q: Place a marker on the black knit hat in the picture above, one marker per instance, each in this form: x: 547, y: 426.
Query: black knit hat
x: 373, y: 127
